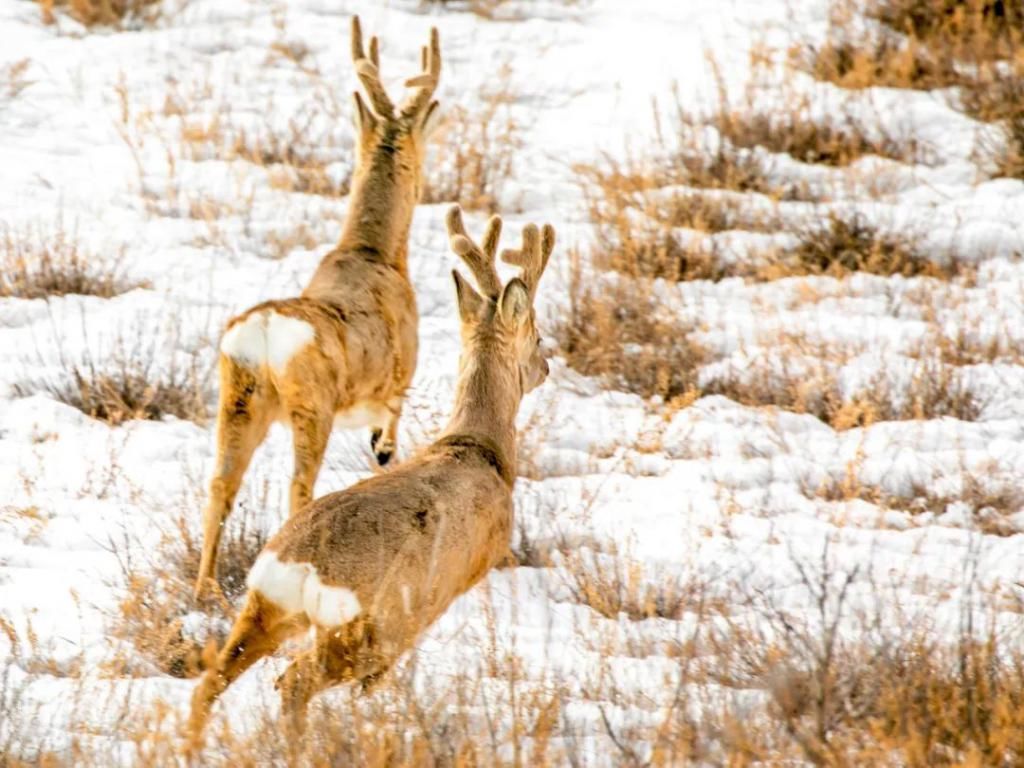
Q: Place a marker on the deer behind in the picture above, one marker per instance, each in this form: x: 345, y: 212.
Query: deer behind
x: 371, y: 567
x: 344, y: 352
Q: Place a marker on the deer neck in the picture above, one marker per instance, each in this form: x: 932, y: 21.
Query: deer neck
x: 380, y: 210
x: 487, y: 399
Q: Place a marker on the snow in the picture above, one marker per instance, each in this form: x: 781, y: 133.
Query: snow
x: 717, y: 492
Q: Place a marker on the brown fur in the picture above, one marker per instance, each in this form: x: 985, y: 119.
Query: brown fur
x: 408, y: 542
x: 359, y: 302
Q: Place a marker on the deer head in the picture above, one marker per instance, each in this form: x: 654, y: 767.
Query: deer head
x: 384, y: 129
x: 503, y: 312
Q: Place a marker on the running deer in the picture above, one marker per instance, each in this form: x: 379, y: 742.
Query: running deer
x: 344, y: 351
x: 371, y: 567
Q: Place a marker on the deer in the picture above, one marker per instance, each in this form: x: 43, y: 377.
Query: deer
x: 343, y: 352
x: 371, y: 567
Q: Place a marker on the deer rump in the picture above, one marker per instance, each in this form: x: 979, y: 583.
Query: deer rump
x: 394, y: 550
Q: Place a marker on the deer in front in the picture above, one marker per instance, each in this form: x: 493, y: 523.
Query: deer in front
x: 371, y: 567
x: 344, y: 351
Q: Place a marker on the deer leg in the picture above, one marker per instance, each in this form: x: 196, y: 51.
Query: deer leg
x: 311, y: 429
x: 243, y: 417
x: 339, y: 655
x: 384, y: 439
x: 259, y: 629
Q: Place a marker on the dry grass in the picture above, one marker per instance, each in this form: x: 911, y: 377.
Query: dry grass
x: 614, y: 331
x: 973, y: 46
x: 853, y: 687
x: 135, y: 379
x: 157, y: 594
x: 614, y: 585
x: 116, y: 13
x: 301, y: 156
x: 472, y: 155
x: 985, y: 500
x: 14, y: 78
x: 848, y: 244
x: 835, y: 138
x: 39, y: 263
x: 932, y: 391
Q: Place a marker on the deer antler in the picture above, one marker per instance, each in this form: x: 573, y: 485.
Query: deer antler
x: 480, y: 261
x: 426, y: 81
x: 368, y: 71
x: 533, y: 257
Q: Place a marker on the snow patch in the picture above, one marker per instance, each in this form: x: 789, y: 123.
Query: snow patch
x: 297, y: 588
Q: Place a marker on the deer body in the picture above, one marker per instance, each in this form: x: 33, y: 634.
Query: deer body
x: 373, y: 566
x: 344, y: 352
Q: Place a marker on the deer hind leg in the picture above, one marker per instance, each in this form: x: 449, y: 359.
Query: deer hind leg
x: 384, y: 439
x: 311, y: 429
x: 244, y: 414
x: 258, y: 631
x: 339, y: 655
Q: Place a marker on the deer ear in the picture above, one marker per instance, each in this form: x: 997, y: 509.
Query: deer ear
x: 514, y: 303
x: 469, y: 301
x: 430, y: 119
x: 362, y: 116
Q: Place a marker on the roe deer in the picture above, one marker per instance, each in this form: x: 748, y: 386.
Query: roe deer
x: 344, y: 351
x: 371, y: 567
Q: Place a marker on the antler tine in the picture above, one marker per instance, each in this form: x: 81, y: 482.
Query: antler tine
x: 426, y: 81
x: 480, y: 262
x: 532, y: 258
x: 375, y: 52
x: 368, y: 71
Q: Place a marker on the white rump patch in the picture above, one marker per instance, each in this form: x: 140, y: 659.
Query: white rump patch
x: 267, y: 338
x: 285, y: 337
x: 245, y: 342
x: 361, y: 415
x: 296, y: 588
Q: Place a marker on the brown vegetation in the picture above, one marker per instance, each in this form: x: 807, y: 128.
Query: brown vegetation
x: 126, y: 383
x: 473, y: 151
x: 39, y: 263
x: 614, y: 331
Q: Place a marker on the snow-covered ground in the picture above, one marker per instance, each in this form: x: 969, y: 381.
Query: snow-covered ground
x: 718, y: 494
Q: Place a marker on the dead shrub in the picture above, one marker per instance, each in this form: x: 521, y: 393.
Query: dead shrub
x: 854, y: 244
x: 636, y: 222
x: 472, y: 155
x: 614, y: 331
x: 933, y: 391
x: 116, y: 13
x: 881, y: 60
x: 158, y: 614
x: 131, y: 381
x: 972, y: 45
x: 303, y: 156
x: 615, y: 585
x: 835, y: 139
x: 985, y: 502
x: 848, y: 686
x: 39, y: 263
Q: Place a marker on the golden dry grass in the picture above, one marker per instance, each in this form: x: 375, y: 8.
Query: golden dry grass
x: 933, y: 390
x: 103, y: 12
x: 157, y: 594
x: 615, y: 332
x: 972, y: 45
x: 130, y: 381
x: 472, y: 153
x: 40, y: 262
